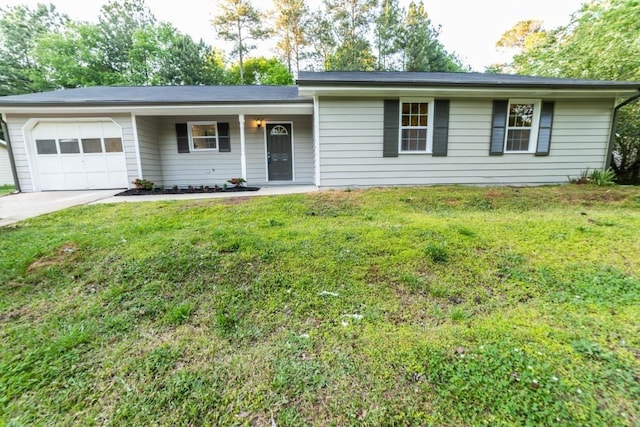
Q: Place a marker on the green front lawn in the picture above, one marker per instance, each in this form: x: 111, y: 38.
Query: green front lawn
x: 444, y: 305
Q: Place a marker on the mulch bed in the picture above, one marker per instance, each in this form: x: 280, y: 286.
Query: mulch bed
x: 194, y: 190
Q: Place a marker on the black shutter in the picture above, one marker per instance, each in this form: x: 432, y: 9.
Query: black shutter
x: 440, y: 128
x: 224, y: 141
x: 544, y: 130
x: 498, y: 127
x: 183, y: 137
x: 391, y: 124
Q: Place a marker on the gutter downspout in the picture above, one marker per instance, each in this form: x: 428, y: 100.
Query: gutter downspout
x: 614, y: 128
x: 12, y: 161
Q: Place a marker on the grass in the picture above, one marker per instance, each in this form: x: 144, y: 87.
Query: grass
x: 6, y: 189
x: 414, y: 306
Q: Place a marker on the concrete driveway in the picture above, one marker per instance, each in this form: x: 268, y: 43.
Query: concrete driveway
x: 16, y: 207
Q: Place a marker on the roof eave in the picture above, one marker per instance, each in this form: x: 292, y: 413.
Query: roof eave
x: 469, y: 91
x: 174, y: 109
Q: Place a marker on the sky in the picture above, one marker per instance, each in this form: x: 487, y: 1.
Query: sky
x: 470, y: 28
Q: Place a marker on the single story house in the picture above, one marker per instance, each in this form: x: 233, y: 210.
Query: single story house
x: 332, y: 129
x: 6, y: 178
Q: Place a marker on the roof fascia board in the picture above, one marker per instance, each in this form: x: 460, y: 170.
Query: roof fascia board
x: 164, y: 110
x: 463, y: 92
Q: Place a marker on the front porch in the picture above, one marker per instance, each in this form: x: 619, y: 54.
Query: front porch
x: 208, y: 149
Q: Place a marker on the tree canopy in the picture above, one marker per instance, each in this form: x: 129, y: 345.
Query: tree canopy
x: 602, y: 41
x: 42, y: 49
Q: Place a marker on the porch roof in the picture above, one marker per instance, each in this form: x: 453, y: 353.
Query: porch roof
x: 158, y: 95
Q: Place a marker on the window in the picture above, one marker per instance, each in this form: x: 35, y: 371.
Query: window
x: 203, y: 135
x: 46, y: 146
x: 113, y: 145
x: 416, y: 123
x: 91, y: 145
x: 522, y: 126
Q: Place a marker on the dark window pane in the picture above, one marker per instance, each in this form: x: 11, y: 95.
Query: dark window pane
x: 518, y: 140
x: 423, y: 109
x: 69, y: 146
x: 113, y: 145
x: 91, y: 145
x: 46, y: 146
x: 405, y: 120
x: 415, y: 108
x: 204, y: 143
x: 405, y: 108
x: 414, y: 120
x: 423, y: 120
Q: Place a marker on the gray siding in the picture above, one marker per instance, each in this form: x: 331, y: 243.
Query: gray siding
x: 197, y: 168
x: 302, y: 148
x: 148, y: 133
x: 351, y: 147
x: 6, y: 178
x: 16, y: 122
x: 212, y: 167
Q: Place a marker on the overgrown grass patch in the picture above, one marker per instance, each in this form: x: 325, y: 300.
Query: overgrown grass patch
x: 441, y: 305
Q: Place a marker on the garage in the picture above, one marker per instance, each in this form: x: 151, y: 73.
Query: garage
x: 78, y: 155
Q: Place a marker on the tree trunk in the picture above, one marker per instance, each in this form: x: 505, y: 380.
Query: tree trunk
x: 240, y: 53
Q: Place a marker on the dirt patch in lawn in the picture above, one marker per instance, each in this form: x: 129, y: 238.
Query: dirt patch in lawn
x: 65, y: 253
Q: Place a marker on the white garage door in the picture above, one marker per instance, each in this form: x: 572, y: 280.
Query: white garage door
x: 79, y: 155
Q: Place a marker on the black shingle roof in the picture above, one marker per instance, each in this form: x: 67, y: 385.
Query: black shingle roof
x: 346, y: 78
x: 157, y: 95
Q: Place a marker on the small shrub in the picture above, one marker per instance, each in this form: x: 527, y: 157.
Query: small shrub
x: 238, y: 182
x: 598, y: 177
x: 143, y: 184
x: 603, y: 177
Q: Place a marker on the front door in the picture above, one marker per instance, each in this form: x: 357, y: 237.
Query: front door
x: 279, y: 152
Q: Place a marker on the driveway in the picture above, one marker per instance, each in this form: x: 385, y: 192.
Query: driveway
x: 16, y: 207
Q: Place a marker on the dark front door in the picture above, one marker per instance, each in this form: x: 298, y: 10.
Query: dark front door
x: 279, y: 152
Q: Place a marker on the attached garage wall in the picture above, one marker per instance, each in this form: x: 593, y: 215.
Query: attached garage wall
x: 16, y: 122
x: 6, y: 178
x: 351, y: 144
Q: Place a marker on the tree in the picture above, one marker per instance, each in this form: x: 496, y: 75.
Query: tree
x: 292, y: 18
x: 419, y: 44
x: 20, y: 29
x: 118, y: 23
x: 520, y: 35
x: 239, y: 22
x: 322, y: 40
x: 600, y: 42
x: 161, y: 55
x: 349, y: 20
x: 388, y: 31
x: 260, y: 71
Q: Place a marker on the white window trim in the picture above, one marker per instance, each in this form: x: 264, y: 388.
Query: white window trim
x: 192, y: 147
x: 430, y: 112
x: 533, y: 137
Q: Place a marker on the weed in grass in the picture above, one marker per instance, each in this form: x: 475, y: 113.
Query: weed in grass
x: 467, y: 232
x: 180, y: 313
x: 271, y: 222
x: 437, y: 252
x: 458, y: 315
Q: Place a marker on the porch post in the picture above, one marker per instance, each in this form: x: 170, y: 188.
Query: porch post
x: 243, y: 155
